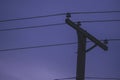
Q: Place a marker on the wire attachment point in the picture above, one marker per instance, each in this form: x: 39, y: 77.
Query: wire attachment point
x: 105, y: 41
x: 68, y: 15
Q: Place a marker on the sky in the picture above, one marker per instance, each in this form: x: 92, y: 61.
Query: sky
x: 49, y: 63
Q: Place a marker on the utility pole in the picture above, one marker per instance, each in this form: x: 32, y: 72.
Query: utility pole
x: 81, y: 54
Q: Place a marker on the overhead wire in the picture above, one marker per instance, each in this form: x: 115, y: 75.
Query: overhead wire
x: 59, y: 14
x: 94, y: 12
x: 40, y: 26
x: 31, y: 47
x: 16, y: 19
x: 29, y: 27
x: 50, y: 45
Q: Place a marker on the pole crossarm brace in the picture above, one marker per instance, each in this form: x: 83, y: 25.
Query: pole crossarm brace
x: 91, y: 48
x: 85, y: 33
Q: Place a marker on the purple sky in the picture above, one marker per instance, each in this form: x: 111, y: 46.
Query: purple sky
x: 59, y: 61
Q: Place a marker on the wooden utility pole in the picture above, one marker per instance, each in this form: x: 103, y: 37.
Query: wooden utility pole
x: 81, y: 54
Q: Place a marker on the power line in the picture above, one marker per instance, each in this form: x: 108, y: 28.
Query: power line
x: 95, y: 12
x: 51, y: 45
x: 91, y: 21
x: 29, y: 27
x: 59, y: 14
x: 112, y: 39
x: 32, y: 47
x: 16, y: 19
x: 107, y: 78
